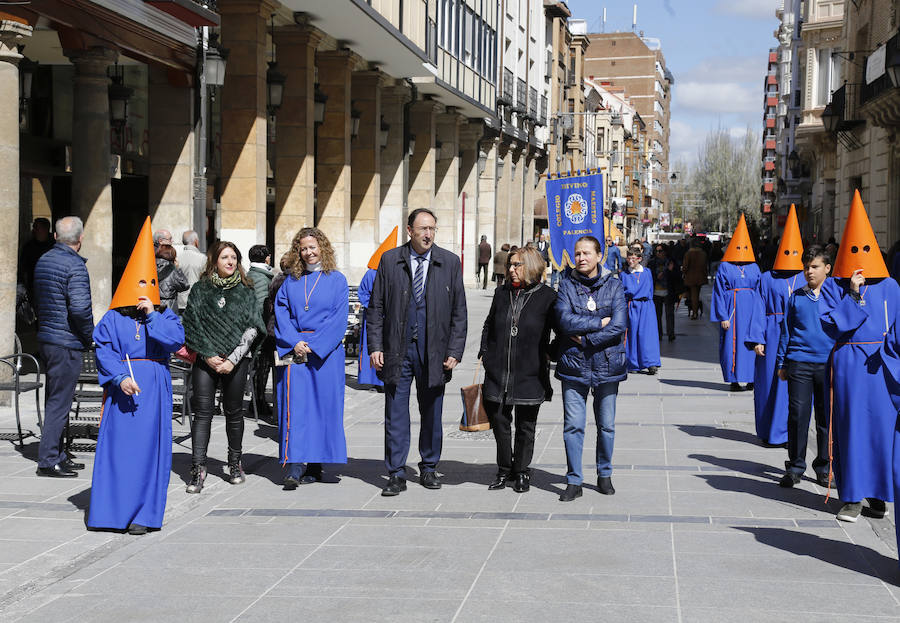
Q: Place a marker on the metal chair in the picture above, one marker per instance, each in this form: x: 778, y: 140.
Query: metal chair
x: 17, y: 386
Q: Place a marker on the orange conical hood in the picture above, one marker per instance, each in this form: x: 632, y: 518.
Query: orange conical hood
x: 790, y: 251
x: 859, y: 248
x: 139, y: 278
x: 740, y: 249
x: 389, y: 243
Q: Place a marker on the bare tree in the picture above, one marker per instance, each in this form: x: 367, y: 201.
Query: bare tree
x: 727, y: 177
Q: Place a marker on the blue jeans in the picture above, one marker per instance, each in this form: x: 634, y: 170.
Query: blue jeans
x: 575, y: 407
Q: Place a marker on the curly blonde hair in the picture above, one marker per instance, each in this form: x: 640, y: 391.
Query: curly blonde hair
x: 294, y: 260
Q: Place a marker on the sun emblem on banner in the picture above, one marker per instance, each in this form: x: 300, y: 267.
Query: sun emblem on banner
x: 576, y: 209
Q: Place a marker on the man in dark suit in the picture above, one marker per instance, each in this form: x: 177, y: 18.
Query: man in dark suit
x: 416, y: 323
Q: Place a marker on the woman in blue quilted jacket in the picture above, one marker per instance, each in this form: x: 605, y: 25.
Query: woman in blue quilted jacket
x: 592, y: 317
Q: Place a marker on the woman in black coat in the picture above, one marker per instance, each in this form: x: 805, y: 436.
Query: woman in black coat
x: 515, y: 350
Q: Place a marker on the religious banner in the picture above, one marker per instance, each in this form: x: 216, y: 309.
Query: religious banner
x: 575, y: 209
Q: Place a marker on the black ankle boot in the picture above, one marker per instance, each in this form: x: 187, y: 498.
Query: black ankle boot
x: 313, y: 474
x: 198, y: 476
x: 500, y: 481
x: 235, y: 471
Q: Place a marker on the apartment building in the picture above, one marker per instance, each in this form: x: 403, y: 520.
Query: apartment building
x: 770, y: 107
x: 637, y: 64
x: 787, y: 111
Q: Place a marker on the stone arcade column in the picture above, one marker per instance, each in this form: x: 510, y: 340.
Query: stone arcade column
x: 365, y: 176
x: 333, y: 156
x: 423, y: 115
x: 501, y: 216
x: 515, y: 168
x: 469, y: 134
x: 244, y: 122
x: 91, y: 190
x: 487, y: 195
x: 446, y: 189
x: 171, y: 154
x: 393, y: 174
x: 295, y: 158
x: 12, y: 33
x: 529, y: 198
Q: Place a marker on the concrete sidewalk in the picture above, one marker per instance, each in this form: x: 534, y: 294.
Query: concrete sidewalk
x: 698, y: 529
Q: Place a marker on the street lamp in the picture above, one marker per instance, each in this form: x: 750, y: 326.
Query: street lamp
x: 119, y: 95
x: 214, y: 63
x: 275, y: 86
x: 793, y: 163
x: 320, y: 100
x: 355, y: 116
x: 384, y: 133
x: 830, y: 118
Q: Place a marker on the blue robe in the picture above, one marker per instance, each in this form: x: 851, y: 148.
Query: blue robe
x: 311, y: 394
x: 734, y: 297
x: 134, y: 449
x: 641, y: 336
x: 366, y: 374
x: 863, y: 416
x: 890, y: 357
x: 770, y: 401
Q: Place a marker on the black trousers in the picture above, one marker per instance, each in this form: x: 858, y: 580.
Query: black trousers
x: 669, y: 302
x: 482, y: 267
x: 264, y: 364
x: 513, y: 459
x: 205, y: 380
x: 62, y: 366
x: 806, y: 392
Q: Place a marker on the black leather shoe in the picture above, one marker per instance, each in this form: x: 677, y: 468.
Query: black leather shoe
x: 137, y: 529
x: 501, y: 481
x: 789, y: 480
x: 57, y: 471
x: 523, y: 483
x: 605, y: 486
x: 571, y: 492
x: 394, y: 486
x: 290, y: 483
x: 735, y: 387
x: 72, y: 465
x: 822, y: 481
x: 312, y: 474
x: 430, y: 480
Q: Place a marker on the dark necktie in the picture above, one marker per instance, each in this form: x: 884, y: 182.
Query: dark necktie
x: 419, y: 279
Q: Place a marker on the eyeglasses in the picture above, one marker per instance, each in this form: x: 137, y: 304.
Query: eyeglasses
x: 516, y: 264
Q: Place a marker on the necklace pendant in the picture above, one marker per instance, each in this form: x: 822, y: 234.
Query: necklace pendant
x: 137, y: 336
x: 221, y: 302
x: 862, y: 302
x: 514, y: 331
x: 591, y: 304
x: 306, y: 308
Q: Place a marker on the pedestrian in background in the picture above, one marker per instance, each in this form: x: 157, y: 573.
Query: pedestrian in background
x: 694, y: 269
x: 641, y: 344
x: 171, y: 279
x: 417, y: 299
x: 221, y: 322
x: 500, y: 264
x: 261, y: 275
x: 592, y: 317
x: 31, y: 252
x: 62, y: 291
x: 613, y: 256
x: 484, y: 258
x: 191, y: 261
x: 310, y: 322
x: 515, y: 351
x: 665, y: 287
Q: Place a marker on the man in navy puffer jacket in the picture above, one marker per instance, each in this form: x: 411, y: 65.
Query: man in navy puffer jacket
x: 62, y: 291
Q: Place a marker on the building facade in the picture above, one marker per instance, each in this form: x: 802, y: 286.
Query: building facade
x: 637, y: 64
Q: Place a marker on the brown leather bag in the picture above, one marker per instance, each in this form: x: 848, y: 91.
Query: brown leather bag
x: 474, y: 417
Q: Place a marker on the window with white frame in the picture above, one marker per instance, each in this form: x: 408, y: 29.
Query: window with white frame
x: 828, y: 75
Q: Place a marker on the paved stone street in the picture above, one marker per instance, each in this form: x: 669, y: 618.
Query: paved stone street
x: 698, y: 529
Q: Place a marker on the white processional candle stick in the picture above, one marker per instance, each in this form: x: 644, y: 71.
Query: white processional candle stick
x: 131, y: 371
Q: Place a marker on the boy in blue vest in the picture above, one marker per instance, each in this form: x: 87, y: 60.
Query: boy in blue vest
x: 802, y: 361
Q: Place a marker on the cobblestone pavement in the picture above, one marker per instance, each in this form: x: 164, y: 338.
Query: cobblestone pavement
x: 698, y: 529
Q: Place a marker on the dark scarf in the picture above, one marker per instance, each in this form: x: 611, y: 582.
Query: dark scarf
x: 216, y: 317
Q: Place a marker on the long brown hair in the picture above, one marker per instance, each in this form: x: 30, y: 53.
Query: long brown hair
x: 212, y: 259
x: 295, y: 262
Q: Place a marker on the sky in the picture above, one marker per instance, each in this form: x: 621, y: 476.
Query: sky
x: 717, y: 50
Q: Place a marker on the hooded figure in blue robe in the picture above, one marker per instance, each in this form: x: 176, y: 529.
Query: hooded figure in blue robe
x: 863, y: 416
x: 770, y: 399
x: 734, y: 298
x: 641, y: 337
x: 366, y: 374
x: 890, y: 357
